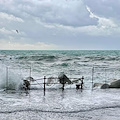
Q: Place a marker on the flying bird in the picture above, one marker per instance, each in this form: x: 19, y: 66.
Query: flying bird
x: 17, y: 31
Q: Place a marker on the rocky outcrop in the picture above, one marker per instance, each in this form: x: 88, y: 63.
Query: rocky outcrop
x: 115, y: 84
x: 104, y: 86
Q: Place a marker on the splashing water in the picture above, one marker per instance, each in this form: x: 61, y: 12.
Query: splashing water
x: 71, y: 104
x: 10, y: 79
x: 52, y: 63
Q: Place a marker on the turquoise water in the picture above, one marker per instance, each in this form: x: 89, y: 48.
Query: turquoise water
x: 72, y: 104
x: 74, y: 63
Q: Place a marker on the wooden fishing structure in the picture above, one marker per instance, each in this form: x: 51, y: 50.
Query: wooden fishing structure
x: 44, y: 83
x: 77, y: 81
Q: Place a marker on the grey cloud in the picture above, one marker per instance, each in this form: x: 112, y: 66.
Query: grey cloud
x: 68, y: 13
x: 59, y: 23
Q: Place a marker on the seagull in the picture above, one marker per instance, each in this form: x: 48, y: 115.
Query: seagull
x: 17, y: 31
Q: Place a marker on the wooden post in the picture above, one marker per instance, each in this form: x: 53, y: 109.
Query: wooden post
x: 63, y: 84
x: 44, y: 85
x: 63, y: 87
x: 30, y: 71
x: 6, y: 78
x: 82, y: 82
x: 105, y: 76
x: 92, y: 76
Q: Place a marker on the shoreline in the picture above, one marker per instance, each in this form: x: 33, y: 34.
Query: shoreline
x: 57, y: 105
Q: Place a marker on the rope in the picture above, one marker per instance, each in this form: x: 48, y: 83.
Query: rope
x: 38, y: 83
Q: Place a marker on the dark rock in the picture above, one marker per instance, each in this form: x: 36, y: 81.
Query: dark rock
x: 104, y: 86
x: 115, y: 84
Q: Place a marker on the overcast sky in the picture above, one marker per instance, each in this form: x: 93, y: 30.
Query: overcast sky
x: 60, y: 24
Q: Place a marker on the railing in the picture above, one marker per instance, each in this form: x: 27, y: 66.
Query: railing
x: 96, y: 74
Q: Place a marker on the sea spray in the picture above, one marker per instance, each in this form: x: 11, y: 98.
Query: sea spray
x: 74, y: 63
x: 2, y: 77
x: 10, y: 79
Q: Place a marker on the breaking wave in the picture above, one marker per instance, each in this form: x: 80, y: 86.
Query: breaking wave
x: 51, y: 63
x: 10, y: 80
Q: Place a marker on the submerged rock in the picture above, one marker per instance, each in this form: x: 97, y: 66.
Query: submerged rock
x: 115, y: 84
x: 97, y: 84
x: 104, y: 86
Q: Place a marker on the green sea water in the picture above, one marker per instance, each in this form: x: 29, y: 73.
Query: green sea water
x: 74, y: 63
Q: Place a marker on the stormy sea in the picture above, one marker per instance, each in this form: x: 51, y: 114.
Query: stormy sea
x: 90, y: 103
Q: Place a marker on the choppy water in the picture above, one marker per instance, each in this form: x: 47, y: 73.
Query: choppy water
x: 70, y: 104
x: 74, y: 64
